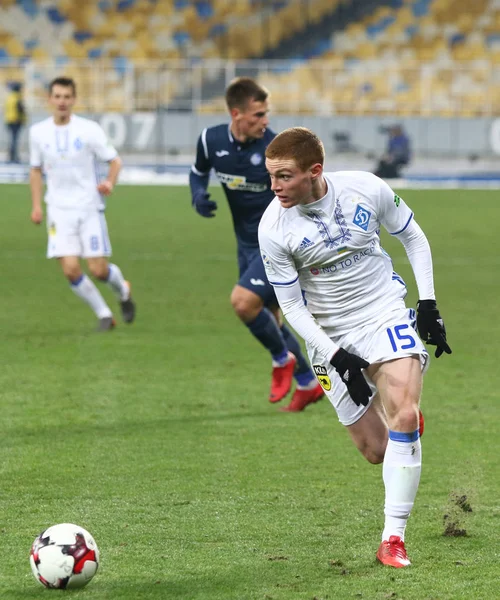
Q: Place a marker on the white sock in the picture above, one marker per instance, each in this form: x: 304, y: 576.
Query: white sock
x: 87, y: 291
x: 117, y: 283
x: 401, y: 473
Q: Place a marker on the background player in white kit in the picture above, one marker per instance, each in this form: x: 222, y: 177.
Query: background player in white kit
x: 319, y: 240
x: 66, y: 148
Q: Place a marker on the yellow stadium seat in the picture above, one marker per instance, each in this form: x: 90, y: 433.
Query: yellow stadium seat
x: 292, y: 17
x: 14, y: 47
x: 74, y: 50
x: 366, y: 50
x: 39, y: 53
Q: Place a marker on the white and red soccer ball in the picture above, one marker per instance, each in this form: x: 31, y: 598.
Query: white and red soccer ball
x: 64, y: 556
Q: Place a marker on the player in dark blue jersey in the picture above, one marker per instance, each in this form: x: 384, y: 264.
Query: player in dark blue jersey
x: 235, y: 151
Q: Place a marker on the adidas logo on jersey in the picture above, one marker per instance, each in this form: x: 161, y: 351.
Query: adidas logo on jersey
x: 305, y: 243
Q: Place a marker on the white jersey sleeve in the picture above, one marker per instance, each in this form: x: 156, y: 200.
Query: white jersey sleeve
x: 282, y: 274
x: 100, y: 145
x: 420, y: 257
x: 36, y: 159
x: 392, y: 211
x: 398, y: 219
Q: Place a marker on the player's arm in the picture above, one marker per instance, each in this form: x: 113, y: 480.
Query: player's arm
x: 36, y: 179
x: 283, y: 276
x: 36, y: 187
x: 106, y: 186
x: 105, y: 152
x: 398, y: 219
x: 199, y: 178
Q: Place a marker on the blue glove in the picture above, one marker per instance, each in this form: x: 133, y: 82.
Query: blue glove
x: 203, y: 205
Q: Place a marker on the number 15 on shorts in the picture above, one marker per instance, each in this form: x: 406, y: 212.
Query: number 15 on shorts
x: 401, y: 337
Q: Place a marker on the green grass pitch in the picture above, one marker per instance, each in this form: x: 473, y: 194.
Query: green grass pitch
x: 158, y: 437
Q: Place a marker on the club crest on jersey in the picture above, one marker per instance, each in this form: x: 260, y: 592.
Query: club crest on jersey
x: 322, y: 376
x: 78, y: 144
x: 362, y: 217
x: 256, y: 159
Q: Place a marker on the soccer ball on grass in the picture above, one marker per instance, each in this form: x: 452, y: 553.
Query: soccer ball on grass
x: 64, y: 556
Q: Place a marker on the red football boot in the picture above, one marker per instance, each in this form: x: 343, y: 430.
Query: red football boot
x: 301, y: 398
x: 393, y: 553
x: 282, y: 378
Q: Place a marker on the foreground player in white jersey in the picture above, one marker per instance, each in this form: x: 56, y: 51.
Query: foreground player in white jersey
x: 319, y: 240
x: 66, y: 148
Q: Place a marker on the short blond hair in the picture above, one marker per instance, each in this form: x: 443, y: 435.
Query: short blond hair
x: 298, y: 144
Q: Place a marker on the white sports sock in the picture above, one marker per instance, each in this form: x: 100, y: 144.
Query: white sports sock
x: 87, y: 291
x: 401, y: 474
x: 117, y: 283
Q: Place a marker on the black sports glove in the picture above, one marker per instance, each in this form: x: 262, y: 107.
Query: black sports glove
x: 349, y: 366
x: 431, y: 327
x: 203, y: 205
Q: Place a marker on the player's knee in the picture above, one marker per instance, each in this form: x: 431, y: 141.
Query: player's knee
x: 245, y: 306
x: 406, y: 419
x: 72, y: 272
x: 99, y: 271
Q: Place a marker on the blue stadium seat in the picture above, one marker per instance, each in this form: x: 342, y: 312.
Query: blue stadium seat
x: 376, y: 28
x: 55, y: 16
x: 124, y: 5
x: 82, y: 36
x: 456, y: 38
x: 30, y: 44
x: 411, y: 30
x: 29, y: 7
x: 204, y: 10
x: 104, y: 5
x: 217, y: 29
x: 94, y: 53
x: 421, y: 8
x: 181, y: 38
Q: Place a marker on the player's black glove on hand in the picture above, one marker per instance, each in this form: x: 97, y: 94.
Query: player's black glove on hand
x: 431, y: 327
x: 203, y: 205
x: 349, y: 366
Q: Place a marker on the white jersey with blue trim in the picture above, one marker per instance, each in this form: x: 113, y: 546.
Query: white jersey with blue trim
x: 332, y: 247
x: 69, y: 156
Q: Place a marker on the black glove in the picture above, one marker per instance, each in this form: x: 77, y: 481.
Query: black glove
x: 203, y: 205
x: 431, y: 327
x: 349, y: 366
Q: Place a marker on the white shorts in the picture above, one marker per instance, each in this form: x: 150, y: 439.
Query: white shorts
x: 77, y: 232
x: 392, y: 336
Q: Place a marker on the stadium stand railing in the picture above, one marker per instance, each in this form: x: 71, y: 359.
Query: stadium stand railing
x: 315, y: 87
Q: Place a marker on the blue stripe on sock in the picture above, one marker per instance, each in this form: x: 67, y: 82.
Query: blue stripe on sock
x: 304, y: 378
x: 280, y: 358
x: 77, y: 281
x: 399, y: 436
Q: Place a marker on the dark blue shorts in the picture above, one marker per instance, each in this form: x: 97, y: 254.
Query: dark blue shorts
x: 253, y: 275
